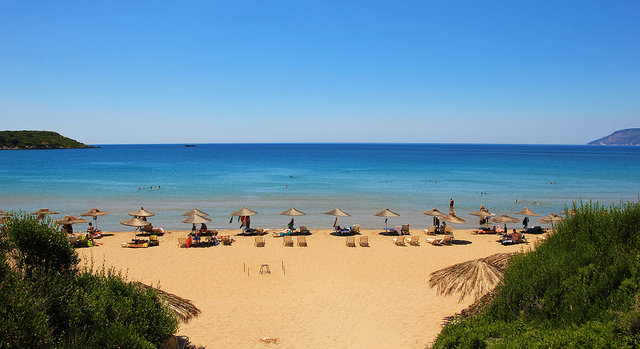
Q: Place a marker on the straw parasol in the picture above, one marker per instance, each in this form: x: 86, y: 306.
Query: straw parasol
x: 244, y: 212
x: 141, y: 213
x: 135, y: 222
x: 452, y: 218
x: 95, y: 213
x: 435, y: 212
x: 70, y: 220
x: 42, y: 212
x: 386, y: 213
x: 196, y: 219
x: 195, y: 211
x: 338, y: 213
x: 504, y: 219
x: 2, y: 213
x: 552, y: 218
x: 183, y: 308
x: 481, y: 213
x: 292, y: 212
x: 478, y: 276
x: 527, y: 212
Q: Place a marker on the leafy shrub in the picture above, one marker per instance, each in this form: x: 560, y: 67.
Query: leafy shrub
x: 46, y: 301
x: 584, y: 278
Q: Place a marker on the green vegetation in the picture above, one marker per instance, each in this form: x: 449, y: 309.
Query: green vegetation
x: 48, y: 301
x: 37, y: 140
x: 579, y: 289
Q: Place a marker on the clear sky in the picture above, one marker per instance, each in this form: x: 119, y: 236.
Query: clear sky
x: 102, y: 72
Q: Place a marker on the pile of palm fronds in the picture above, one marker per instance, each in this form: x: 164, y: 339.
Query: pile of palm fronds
x: 181, y: 307
x: 478, y: 276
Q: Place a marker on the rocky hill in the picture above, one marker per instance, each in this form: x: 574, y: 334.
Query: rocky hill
x: 37, y: 140
x: 630, y: 136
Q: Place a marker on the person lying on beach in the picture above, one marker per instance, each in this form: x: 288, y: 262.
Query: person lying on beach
x: 283, y: 232
x: 150, y: 229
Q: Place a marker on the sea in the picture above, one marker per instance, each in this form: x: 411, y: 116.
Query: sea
x: 360, y: 179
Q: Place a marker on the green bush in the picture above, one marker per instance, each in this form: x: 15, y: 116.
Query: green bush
x: 46, y: 301
x: 584, y: 278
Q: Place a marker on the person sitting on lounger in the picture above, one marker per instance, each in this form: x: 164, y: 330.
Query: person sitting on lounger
x: 203, y: 228
x: 93, y: 232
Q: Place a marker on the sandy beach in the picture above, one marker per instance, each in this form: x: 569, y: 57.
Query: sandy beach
x: 319, y: 296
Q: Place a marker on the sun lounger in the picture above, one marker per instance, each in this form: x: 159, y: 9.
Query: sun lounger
x: 73, y: 241
x: 405, y: 229
x: 513, y: 238
x: 399, y: 240
x: 448, y: 230
x: 287, y: 240
x: 304, y: 230
x: 355, y: 229
x: 447, y: 240
x: 351, y: 241
x: 259, y: 241
x: 226, y: 239
x: 153, y: 240
x: 182, y: 242
x: 364, y: 241
x: 398, y: 229
x: 136, y: 244
x: 413, y: 240
x: 302, y: 241
x: 431, y: 230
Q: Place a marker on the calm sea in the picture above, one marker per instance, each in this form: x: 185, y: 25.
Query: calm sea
x: 358, y: 178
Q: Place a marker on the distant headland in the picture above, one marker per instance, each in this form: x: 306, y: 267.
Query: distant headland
x: 630, y: 136
x: 10, y: 140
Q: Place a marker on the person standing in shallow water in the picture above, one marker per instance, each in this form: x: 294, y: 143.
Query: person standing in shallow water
x: 451, y: 205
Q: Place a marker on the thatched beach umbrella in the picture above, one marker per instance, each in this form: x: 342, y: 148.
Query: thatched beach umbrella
x: 135, y: 222
x: 504, y: 219
x: 195, y: 211
x: 452, y: 218
x: 435, y: 212
x: 481, y: 213
x: 244, y: 212
x: 196, y: 219
x: 2, y: 213
x: 183, y: 308
x: 41, y: 213
x: 70, y: 220
x: 338, y: 213
x: 527, y: 212
x: 478, y: 276
x: 292, y: 212
x: 94, y: 212
x: 141, y: 213
x: 552, y: 218
x: 386, y: 213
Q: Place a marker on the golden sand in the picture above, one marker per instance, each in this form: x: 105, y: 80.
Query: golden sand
x: 325, y: 295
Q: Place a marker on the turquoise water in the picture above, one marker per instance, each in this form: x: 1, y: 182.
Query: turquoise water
x: 359, y: 178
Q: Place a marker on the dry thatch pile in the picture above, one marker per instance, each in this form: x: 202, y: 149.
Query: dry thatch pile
x: 181, y: 307
x: 478, y: 276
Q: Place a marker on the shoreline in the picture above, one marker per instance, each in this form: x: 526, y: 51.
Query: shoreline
x: 322, y: 295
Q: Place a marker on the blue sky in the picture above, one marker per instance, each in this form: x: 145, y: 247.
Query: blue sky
x: 542, y: 72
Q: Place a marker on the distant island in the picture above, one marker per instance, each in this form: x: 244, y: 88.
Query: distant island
x: 630, y: 136
x: 10, y: 140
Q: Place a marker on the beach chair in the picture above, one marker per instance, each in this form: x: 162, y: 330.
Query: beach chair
x: 398, y: 229
x: 351, y: 241
x: 182, y: 242
x: 287, y: 240
x: 259, y: 241
x: 413, y: 240
x: 364, y: 241
x: 226, y: 240
x: 447, y: 240
x: 431, y: 230
x: 448, y: 230
x: 302, y: 241
x: 404, y: 230
x: 304, y: 230
x: 153, y: 240
x: 73, y: 241
x: 399, y: 241
x: 355, y: 229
